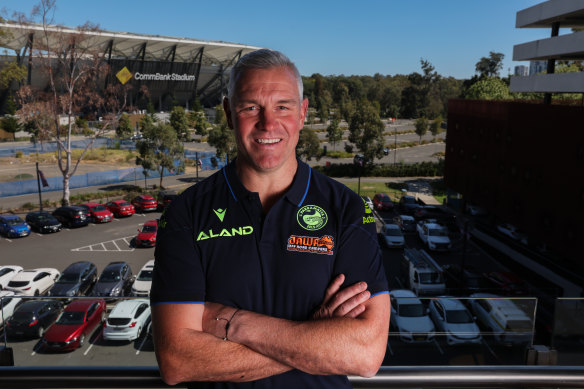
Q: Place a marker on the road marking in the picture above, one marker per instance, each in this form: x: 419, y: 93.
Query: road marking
x: 141, y: 344
x: 101, y: 245
x: 437, y: 345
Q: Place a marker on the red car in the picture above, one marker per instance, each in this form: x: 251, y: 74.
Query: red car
x: 120, y: 208
x: 382, y: 202
x: 74, y: 325
x: 98, y: 213
x: 145, y: 203
x: 147, y: 234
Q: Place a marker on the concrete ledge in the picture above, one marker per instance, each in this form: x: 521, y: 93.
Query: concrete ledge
x: 552, y: 83
x: 569, y: 13
x: 569, y: 47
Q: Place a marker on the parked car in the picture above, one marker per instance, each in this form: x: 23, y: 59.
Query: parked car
x: 115, y: 280
x: 165, y: 197
x: 8, y: 303
x: 434, y: 236
x: 143, y: 282
x: 408, y: 204
x: 120, y: 208
x: 76, y: 280
x: 127, y: 320
x: 13, y: 226
x: 71, y: 216
x: 410, y: 317
x: 74, y: 325
x: 507, y: 283
x: 465, y: 282
x: 392, y: 235
x: 382, y: 202
x: 7, y: 273
x: 405, y: 222
x: 475, y: 210
x: 43, y: 222
x: 502, y: 319
x: 144, y: 203
x: 98, y: 213
x: 34, y: 282
x: 454, y: 321
x: 512, y: 232
x: 33, y: 317
x: 367, y: 200
x: 147, y: 234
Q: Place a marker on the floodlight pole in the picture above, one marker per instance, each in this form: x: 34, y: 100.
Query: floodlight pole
x: 39, y: 187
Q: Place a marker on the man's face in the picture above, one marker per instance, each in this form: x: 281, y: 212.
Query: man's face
x: 267, y: 116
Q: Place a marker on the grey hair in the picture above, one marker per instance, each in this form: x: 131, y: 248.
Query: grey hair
x: 261, y: 59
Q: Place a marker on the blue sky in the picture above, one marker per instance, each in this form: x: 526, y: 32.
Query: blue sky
x: 328, y: 37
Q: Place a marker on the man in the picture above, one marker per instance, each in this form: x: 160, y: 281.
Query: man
x: 268, y: 274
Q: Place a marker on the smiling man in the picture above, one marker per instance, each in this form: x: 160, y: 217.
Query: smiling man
x: 266, y: 274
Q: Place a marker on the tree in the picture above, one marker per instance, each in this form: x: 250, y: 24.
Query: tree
x: 11, y: 70
x: 435, y: 125
x: 421, y: 127
x: 124, y: 129
x: 489, y: 88
x: 222, y: 138
x: 334, y: 132
x: 366, y: 131
x: 491, y: 65
x: 308, y: 144
x: 180, y: 123
x: 198, y: 121
x: 160, y: 149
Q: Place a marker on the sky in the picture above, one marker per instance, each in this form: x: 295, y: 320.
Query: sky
x: 330, y: 37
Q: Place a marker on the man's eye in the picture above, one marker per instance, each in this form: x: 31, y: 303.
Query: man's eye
x: 283, y: 107
x: 252, y: 108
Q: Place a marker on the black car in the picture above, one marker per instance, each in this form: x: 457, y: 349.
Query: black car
x: 33, y: 317
x: 408, y: 205
x: 166, y: 197
x: 76, y: 280
x: 115, y: 281
x: 43, y: 222
x: 71, y: 216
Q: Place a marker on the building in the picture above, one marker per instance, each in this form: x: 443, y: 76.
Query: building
x: 175, y: 70
x: 521, y: 70
x: 537, y: 67
x: 524, y: 161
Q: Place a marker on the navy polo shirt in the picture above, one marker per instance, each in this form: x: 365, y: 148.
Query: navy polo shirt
x: 216, y: 244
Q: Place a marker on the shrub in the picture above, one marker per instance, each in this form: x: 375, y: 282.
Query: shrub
x: 28, y: 206
x: 19, y: 154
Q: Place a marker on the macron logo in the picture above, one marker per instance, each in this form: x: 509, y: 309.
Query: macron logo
x: 220, y: 213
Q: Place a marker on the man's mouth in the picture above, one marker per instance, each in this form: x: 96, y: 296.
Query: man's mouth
x: 270, y: 141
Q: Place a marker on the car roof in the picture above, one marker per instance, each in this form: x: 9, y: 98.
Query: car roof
x: 392, y: 226
x: 449, y: 302
x: 402, y: 293
x: 126, y: 308
x: 119, y: 201
x: 406, y: 217
x: 29, y: 274
x: 91, y: 204
x: 148, y: 265
x: 33, y: 305
x: 9, y: 217
x: 151, y: 223
x: 115, y: 265
x: 38, y: 213
x: 145, y: 196
x: 80, y: 305
x: 76, y: 266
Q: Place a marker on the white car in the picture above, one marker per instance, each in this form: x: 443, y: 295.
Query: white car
x: 127, y: 320
x: 434, y: 235
x: 512, y: 232
x: 454, y: 321
x: 410, y: 317
x: 392, y: 235
x: 143, y: 282
x: 8, y: 303
x: 6, y: 274
x: 33, y: 282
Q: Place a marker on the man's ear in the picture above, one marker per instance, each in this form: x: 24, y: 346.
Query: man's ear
x: 303, y: 110
x: 227, y: 110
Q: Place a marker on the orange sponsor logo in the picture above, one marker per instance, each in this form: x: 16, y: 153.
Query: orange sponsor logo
x: 311, y: 244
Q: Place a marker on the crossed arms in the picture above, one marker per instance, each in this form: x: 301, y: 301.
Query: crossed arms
x: 347, y: 335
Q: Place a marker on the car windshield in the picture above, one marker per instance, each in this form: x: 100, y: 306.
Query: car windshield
x: 409, y: 200
x: 412, y: 310
x: 5, y: 271
x: 458, y: 316
x: 145, y: 275
x: 149, y: 229
x: 71, y: 317
x: 44, y: 217
x: 438, y: 232
x: 123, y: 204
x: 14, y: 222
x: 386, y: 200
x: 109, y: 276
x: 431, y: 278
x: 393, y: 232
x: 98, y: 208
x: 22, y: 316
x: 68, y: 278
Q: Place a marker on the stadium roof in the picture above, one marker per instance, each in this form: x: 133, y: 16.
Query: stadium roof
x: 128, y: 45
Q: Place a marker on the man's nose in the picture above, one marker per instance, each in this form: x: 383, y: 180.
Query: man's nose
x: 268, y: 120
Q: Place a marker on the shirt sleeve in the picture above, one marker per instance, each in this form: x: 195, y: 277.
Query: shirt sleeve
x: 178, y: 273
x: 359, y: 257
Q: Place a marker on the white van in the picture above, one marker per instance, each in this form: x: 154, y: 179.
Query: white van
x: 421, y: 273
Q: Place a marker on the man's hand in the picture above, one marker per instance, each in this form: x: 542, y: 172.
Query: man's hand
x: 347, y: 302
x: 214, y: 311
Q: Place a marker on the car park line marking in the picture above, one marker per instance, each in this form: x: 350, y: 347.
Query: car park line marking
x: 141, y: 345
x: 101, y: 246
x: 115, y: 244
x: 437, y: 345
x: 389, y: 347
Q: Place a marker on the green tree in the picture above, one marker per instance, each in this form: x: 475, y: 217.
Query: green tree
x: 308, y: 144
x: 421, y: 127
x: 160, y: 149
x: 435, y: 125
x: 491, y: 65
x: 198, y: 121
x: 334, y: 132
x: 488, y: 88
x: 222, y: 139
x: 180, y: 123
x: 124, y: 129
x: 220, y: 115
x: 366, y: 131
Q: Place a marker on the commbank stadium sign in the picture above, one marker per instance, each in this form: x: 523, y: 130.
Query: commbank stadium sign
x: 125, y: 75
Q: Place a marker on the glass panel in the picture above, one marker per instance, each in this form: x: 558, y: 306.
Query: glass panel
x: 568, y: 332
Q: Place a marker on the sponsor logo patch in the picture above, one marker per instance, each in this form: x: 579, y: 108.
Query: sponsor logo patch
x: 311, y: 244
x: 311, y: 217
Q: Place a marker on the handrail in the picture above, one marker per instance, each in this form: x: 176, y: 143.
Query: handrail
x: 387, y: 377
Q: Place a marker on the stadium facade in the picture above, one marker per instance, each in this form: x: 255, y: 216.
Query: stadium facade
x: 175, y: 70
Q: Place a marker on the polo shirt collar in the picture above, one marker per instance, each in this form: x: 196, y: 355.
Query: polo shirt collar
x: 296, y: 194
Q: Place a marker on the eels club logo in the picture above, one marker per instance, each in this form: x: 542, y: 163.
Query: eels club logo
x: 311, y: 217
